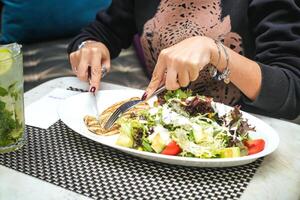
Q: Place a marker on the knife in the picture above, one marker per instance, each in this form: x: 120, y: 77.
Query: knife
x: 93, y: 94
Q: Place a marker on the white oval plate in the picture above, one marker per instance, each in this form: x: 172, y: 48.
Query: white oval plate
x: 73, y: 110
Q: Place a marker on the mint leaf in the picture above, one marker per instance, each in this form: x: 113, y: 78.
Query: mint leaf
x: 12, y: 86
x: 12, y: 90
x: 3, y: 92
x: 2, y: 105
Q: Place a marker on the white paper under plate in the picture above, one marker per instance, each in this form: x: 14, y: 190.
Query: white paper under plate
x: 73, y: 110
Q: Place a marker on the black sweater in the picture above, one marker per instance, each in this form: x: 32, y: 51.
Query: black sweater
x: 266, y: 31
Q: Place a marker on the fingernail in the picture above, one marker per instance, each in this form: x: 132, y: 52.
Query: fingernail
x: 144, y: 97
x: 93, y: 89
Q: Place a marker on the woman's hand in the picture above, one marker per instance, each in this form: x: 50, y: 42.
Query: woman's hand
x: 93, y: 54
x: 180, y: 64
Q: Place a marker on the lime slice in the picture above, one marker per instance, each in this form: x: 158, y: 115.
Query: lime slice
x: 6, y: 60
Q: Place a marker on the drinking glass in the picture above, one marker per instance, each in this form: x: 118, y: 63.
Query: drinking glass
x: 12, y: 125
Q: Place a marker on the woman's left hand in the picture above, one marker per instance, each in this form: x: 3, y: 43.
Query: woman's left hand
x: 180, y: 64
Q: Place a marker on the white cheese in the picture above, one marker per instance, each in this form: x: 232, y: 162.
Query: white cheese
x: 153, y: 111
x: 164, y: 134
x: 196, y: 127
x: 171, y: 117
x: 143, y: 121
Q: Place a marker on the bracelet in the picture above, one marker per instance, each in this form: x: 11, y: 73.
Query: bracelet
x: 225, y: 74
x: 213, y: 70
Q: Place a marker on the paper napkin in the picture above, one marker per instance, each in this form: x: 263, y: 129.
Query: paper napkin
x: 43, y: 113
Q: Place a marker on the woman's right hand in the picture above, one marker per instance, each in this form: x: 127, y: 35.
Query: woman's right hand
x: 93, y: 54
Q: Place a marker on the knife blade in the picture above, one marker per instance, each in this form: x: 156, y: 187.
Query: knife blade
x: 93, y: 95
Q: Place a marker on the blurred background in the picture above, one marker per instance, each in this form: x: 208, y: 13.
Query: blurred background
x: 44, y: 28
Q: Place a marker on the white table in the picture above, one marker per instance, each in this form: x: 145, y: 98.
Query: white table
x: 277, y: 178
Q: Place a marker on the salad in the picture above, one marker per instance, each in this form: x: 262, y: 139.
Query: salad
x: 183, y: 124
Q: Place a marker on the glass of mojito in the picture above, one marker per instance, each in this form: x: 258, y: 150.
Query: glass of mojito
x: 12, y: 134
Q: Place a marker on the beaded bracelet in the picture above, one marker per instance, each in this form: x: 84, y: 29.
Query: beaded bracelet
x: 214, y: 72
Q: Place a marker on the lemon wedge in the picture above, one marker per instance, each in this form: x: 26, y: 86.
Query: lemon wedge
x: 6, y: 60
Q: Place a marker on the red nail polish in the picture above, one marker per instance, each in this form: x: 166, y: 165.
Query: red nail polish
x: 144, y: 97
x: 93, y: 89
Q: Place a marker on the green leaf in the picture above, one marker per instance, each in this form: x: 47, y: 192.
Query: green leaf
x: 8, y: 126
x: 191, y: 136
x: 12, y: 90
x: 2, y: 105
x: 3, y: 92
x: 15, y: 96
x: 180, y: 94
x: 16, y: 133
x: 146, y: 145
x: 12, y: 86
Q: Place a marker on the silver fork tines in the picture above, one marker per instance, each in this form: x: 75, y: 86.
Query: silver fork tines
x: 124, y: 107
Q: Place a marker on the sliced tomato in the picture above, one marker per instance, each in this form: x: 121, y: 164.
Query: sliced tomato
x: 172, y: 149
x: 254, y: 146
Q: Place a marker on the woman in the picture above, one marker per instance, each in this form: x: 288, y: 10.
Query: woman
x: 243, y: 52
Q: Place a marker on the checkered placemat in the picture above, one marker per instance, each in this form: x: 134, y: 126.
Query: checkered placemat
x: 60, y: 156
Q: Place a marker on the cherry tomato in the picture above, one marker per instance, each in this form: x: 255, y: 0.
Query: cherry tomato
x: 172, y: 149
x: 254, y: 146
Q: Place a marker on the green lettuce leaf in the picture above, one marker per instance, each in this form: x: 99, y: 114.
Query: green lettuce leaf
x: 180, y: 94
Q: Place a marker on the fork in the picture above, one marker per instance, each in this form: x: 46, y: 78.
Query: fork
x: 126, y: 106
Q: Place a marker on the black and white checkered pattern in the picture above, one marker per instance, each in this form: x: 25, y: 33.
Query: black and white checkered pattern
x: 76, y: 89
x: 62, y: 157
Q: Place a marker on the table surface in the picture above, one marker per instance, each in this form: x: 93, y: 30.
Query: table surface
x: 277, y: 178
